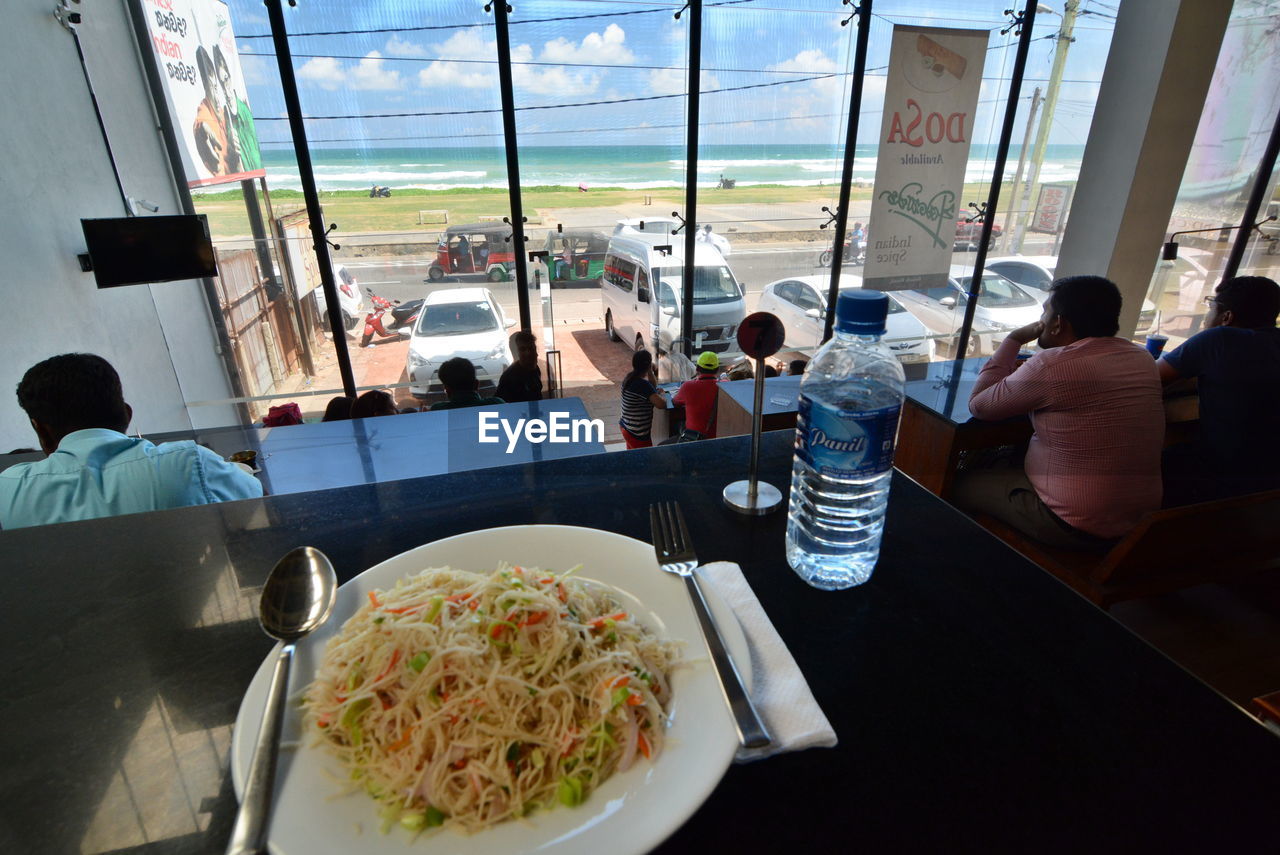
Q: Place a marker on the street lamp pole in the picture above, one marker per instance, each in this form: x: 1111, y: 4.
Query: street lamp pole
x: 1017, y: 203
x: 1069, y: 11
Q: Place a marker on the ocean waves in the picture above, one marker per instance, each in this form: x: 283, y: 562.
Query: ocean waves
x: 628, y: 167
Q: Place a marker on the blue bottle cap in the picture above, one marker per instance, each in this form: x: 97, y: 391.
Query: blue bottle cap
x: 862, y: 312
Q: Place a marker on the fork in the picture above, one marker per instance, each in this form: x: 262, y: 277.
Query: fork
x: 675, y: 553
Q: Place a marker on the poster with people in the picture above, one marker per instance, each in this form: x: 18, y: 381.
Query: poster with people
x: 195, y: 49
x: 930, y: 96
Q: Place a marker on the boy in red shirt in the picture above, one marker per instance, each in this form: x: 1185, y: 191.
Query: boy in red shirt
x: 698, y: 397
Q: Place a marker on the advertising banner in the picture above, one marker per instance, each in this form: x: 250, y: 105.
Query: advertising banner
x: 930, y: 96
x: 204, y: 89
x: 1051, y: 208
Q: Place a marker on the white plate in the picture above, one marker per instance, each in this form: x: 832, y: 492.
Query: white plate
x: 632, y: 813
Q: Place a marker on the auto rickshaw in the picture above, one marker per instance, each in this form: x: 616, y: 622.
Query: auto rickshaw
x: 483, y: 248
x: 575, y: 257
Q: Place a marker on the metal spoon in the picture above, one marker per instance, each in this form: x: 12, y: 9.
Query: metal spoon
x: 298, y: 597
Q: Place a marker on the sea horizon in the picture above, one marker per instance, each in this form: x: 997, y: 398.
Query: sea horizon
x: 623, y: 166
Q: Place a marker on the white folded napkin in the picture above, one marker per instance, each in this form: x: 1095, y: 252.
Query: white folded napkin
x: 779, y: 691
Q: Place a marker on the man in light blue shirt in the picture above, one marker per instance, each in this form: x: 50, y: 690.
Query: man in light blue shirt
x: 77, y: 408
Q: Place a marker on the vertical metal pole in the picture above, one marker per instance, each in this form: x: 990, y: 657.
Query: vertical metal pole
x: 997, y: 176
x: 691, y: 176
x: 863, y: 11
x: 293, y: 106
x: 1017, y: 175
x: 757, y: 423
x: 1256, y: 198
x: 1070, y: 8
x: 500, y: 10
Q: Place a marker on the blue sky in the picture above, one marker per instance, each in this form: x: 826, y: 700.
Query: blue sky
x: 624, y: 51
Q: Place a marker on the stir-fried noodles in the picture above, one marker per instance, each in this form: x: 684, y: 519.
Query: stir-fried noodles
x: 464, y: 699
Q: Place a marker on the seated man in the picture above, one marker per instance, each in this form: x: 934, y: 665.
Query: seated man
x: 1236, y: 360
x: 458, y: 376
x: 77, y: 408
x: 522, y: 381
x: 1092, y: 469
x: 698, y: 397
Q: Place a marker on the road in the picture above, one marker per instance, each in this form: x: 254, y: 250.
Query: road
x: 404, y: 279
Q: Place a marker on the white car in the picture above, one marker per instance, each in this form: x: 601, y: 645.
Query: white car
x: 659, y: 227
x: 349, y: 299
x: 1002, y: 307
x: 801, y: 305
x: 1035, y: 274
x: 464, y: 322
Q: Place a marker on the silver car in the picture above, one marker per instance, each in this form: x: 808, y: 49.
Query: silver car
x: 1002, y: 307
x: 800, y: 305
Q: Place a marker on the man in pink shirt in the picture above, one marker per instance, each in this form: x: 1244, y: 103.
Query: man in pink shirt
x: 1092, y: 469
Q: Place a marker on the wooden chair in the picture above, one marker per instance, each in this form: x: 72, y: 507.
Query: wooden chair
x: 1168, y: 550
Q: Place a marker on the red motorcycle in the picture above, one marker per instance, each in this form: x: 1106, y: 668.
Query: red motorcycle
x: 402, y: 318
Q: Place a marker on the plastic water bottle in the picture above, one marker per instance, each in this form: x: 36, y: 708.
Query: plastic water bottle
x: 850, y: 400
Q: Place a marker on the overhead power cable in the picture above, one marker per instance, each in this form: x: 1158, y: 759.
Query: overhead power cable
x: 611, y: 129
x: 528, y: 62
x: 513, y: 22
x: 552, y: 106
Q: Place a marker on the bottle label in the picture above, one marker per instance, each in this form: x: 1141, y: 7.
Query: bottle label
x: 846, y: 443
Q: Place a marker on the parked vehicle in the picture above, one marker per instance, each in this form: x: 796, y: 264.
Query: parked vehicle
x: 969, y: 234
x: 662, y: 227
x: 641, y: 292
x: 375, y: 192
x: 349, y: 299
x: 464, y: 322
x: 1035, y: 274
x: 389, y: 318
x: 1002, y: 307
x: 479, y: 248
x: 575, y: 258
x: 799, y: 303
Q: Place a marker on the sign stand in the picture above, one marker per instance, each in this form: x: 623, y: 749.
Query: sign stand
x: 759, y: 336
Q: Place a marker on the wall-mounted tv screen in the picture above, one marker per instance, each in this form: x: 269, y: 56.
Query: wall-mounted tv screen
x: 132, y: 250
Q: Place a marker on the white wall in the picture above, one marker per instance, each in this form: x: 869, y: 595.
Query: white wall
x: 54, y: 170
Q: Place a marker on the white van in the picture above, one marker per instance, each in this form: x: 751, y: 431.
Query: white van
x: 641, y: 292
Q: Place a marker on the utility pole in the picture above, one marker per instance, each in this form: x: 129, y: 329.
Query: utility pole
x: 1069, y: 11
x: 1015, y: 203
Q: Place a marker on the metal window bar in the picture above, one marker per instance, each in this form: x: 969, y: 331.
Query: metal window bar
x: 306, y: 176
x: 1256, y: 198
x: 555, y: 388
x: 1026, y: 22
x: 863, y: 13
x: 691, y: 174
x: 507, y: 90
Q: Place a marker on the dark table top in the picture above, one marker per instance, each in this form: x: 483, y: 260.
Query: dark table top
x: 980, y: 705
x: 944, y: 387
x: 781, y: 394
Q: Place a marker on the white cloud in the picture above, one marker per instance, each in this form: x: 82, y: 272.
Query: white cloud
x: 464, y: 44
x: 368, y: 73
x: 397, y: 46
x: 607, y: 48
x: 457, y: 74
x: 324, y: 71
x: 812, y: 62
x: 467, y: 44
x: 555, y: 81
x: 671, y: 81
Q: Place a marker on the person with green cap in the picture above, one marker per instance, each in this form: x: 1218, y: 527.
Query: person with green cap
x: 698, y: 397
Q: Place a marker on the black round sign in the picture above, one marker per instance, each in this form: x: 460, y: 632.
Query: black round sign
x: 761, y: 334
